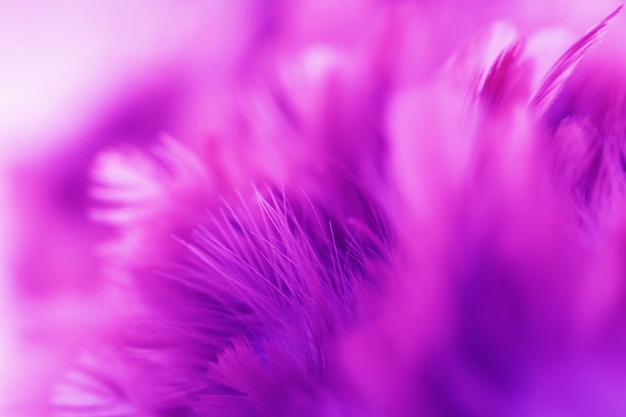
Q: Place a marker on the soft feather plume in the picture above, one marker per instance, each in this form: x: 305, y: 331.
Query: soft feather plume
x: 327, y: 209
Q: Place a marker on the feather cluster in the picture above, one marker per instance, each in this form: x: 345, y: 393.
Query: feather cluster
x: 316, y: 208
